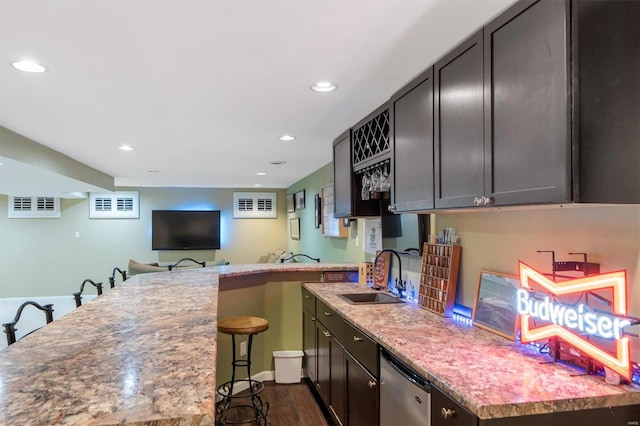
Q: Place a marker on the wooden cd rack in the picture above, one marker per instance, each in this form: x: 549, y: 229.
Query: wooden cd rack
x: 439, y: 277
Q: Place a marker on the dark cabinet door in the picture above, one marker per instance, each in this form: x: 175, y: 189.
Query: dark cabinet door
x: 363, y: 399
x: 331, y: 373
x: 309, y: 345
x: 459, y: 125
x: 323, y: 382
x: 342, y: 176
x: 412, y: 138
x: 527, y: 114
x: 607, y: 108
x: 447, y: 412
x: 338, y: 375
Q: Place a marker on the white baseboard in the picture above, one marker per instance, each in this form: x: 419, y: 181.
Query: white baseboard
x: 263, y: 376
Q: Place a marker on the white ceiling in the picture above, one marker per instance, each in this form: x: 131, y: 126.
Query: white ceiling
x: 202, y: 89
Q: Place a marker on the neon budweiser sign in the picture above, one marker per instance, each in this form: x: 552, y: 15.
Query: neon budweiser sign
x: 571, y: 323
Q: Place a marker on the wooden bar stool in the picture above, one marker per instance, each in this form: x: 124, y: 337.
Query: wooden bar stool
x: 229, y: 411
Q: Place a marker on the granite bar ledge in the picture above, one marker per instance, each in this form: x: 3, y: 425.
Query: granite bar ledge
x: 143, y: 353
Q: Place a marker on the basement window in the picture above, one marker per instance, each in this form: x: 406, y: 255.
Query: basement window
x: 34, y: 208
x: 115, y: 205
x: 255, y: 205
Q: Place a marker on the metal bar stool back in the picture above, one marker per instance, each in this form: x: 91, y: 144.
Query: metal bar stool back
x: 78, y: 294
x: 10, y: 327
x: 112, y: 278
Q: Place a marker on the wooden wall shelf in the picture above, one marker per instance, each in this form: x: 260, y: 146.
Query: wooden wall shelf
x: 439, y: 278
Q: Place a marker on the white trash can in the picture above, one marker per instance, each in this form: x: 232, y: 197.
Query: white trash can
x: 288, y: 366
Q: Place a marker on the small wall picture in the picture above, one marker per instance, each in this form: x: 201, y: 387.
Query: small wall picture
x: 495, y: 307
x: 300, y: 200
x: 291, y: 205
x: 294, y: 228
x: 318, y: 210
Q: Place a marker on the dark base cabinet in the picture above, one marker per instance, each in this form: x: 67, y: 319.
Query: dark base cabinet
x: 363, y: 401
x: 447, y: 412
x: 323, y: 383
x: 309, y: 345
x: 346, y: 375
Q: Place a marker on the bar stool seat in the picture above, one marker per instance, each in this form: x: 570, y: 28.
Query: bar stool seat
x: 230, y: 410
x: 242, y: 325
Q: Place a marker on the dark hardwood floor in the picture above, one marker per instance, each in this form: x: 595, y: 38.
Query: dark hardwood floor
x: 289, y: 405
x: 292, y: 405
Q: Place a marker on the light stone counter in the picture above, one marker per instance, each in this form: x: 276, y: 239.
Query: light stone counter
x: 489, y: 375
x: 143, y: 353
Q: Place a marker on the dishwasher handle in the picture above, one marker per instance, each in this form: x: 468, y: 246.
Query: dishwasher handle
x: 405, y: 371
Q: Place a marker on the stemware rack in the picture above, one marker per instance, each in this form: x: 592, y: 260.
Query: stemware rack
x: 439, y: 277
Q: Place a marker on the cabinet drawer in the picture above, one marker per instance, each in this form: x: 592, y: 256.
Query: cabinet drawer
x: 308, y: 301
x: 362, y: 348
x: 445, y: 411
x: 331, y: 320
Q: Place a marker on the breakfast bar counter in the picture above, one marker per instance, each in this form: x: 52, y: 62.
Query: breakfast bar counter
x: 143, y: 353
x: 490, y: 376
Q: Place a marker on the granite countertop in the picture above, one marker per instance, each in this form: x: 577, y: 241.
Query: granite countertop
x: 142, y: 353
x: 489, y: 375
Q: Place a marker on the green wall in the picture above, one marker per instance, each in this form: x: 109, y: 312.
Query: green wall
x: 280, y: 303
x: 312, y: 242
x: 42, y: 257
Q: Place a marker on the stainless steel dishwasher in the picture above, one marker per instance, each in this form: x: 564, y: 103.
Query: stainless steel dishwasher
x: 405, y: 397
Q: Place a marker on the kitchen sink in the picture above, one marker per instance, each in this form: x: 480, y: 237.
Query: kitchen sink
x: 369, y: 298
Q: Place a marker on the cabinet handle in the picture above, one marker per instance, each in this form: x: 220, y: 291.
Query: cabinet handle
x: 447, y: 412
x: 391, y: 207
x: 372, y: 384
x: 326, y: 334
x: 307, y: 297
x: 313, y: 318
x: 357, y: 339
x: 327, y: 314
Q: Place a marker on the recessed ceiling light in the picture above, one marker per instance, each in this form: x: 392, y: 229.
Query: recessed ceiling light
x: 324, y: 86
x: 257, y: 184
x: 259, y: 173
x: 28, y: 66
x: 125, y: 148
x: 286, y: 138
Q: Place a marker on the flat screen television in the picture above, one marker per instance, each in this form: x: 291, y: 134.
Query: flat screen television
x: 185, y: 229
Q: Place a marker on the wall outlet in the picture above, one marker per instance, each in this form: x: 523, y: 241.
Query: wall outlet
x: 243, y: 348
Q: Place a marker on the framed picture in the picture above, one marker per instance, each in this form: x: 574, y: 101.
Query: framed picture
x: 294, y: 228
x: 291, y: 205
x: 300, y: 200
x: 495, y: 307
x: 318, y: 210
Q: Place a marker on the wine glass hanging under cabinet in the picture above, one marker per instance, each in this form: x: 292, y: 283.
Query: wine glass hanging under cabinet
x: 439, y: 277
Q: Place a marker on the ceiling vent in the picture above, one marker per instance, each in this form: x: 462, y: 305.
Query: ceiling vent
x: 34, y: 207
x: 255, y: 205
x: 114, y: 205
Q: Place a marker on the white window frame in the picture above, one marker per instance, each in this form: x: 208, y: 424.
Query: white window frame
x: 134, y: 213
x: 255, y: 213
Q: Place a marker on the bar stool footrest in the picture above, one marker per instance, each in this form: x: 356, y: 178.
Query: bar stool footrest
x: 229, y: 411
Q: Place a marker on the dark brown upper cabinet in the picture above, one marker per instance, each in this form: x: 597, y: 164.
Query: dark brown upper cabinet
x: 527, y: 107
x: 362, y: 150
x: 412, y: 145
x: 459, y: 160
x: 606, y: 101
x: 343, y: 179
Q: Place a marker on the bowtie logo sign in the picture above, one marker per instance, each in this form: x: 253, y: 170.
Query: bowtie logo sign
x: 570, y: 322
